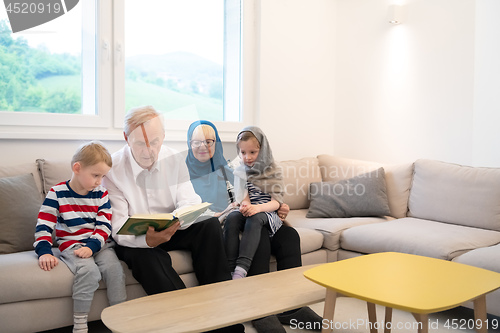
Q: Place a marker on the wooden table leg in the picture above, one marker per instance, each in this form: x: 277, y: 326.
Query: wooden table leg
x: 372, y: 317
x: 329, y: 311
x: 480, y: 314
x: 388, y: 320
x: 423, y: 319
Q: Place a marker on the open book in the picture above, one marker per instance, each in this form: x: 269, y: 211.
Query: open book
x: 139, y: 224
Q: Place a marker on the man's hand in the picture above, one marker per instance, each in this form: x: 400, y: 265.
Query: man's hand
x: 47, y: 262
x: 283, y: 211
x: 83, y: 252
x: 155, y: 238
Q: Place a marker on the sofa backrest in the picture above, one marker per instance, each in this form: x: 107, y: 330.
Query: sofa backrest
x: 397, y: 177
x: 53, y: 172
x: 17, y: 170
x: 297, y: 175
x: 21, y: 197
x: 456, y: 194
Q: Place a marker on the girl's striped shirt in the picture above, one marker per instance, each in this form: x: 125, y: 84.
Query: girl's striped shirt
x: 258, y: 197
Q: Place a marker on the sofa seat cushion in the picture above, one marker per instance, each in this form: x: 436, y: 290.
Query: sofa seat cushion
x: 417, y: 236
x: 485, y: 257
x: 310, y: 240
x: 456, y: 194
x: 331, y: 228
x: 181, y: 261
x: 22, y: 278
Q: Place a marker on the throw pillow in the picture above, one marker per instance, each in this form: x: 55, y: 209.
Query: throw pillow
x: 53, y: 172
x: 19, y: 205
x: 363, y: 195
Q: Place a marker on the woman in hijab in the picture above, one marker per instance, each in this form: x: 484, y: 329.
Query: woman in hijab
x: 213, y: 181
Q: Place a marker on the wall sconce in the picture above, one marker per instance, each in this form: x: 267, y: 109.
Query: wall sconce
x: 395, y: 14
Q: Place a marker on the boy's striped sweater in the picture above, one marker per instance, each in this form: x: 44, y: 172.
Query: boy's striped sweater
x: 77, y: 219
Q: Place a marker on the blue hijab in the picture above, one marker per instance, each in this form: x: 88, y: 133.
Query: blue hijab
x: 208, y: 177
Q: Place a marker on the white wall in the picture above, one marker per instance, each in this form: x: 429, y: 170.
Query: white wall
x: 486, y: 143
x: 294, y: 87
x: 334, y: 77
x: 295, y: 102
x: 422, y: 89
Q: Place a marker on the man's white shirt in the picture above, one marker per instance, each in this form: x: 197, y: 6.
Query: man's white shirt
x: 134, y: 190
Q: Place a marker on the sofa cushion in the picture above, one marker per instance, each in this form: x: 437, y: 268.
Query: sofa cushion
x: 363, y: 195
x: 53, y: 172
x: 19, y: 206
x: 297, y: 175
x: 397, y: 177
x: 485, y: 257
x: 331, y: 228
x: 22, y: 169
x: 417, y: 236
x: 310, y: 240
x: 23, y: 280
x: 456, y: 194
x: 182, y: 261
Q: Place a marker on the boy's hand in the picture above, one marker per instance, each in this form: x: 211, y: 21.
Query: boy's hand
x: 47, y: 262
x: 155, y: 238
x: 83, y: 252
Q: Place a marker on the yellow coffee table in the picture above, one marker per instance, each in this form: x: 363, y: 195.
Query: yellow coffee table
x: 417, y: 284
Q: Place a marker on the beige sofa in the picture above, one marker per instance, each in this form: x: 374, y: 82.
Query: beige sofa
x: 437, y: 209
x: 33, y: 300
x: 430, y: 208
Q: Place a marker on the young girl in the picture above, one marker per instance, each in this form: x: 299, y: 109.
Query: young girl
x: 258, y: 188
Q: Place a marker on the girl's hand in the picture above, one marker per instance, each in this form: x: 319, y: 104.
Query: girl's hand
x: 47, y: 262
x: 250, y: 210
x: 83, y: 252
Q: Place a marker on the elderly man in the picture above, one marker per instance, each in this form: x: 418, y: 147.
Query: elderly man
x: 148, y: 177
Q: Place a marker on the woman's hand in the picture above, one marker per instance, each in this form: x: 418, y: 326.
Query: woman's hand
x: 83, y: 252
x: 155, y: 238
x: 283, y: 211
x: 47, y: 262
x: 230, y: 207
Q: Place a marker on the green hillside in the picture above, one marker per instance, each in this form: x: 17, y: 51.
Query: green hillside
x: 174, y: 105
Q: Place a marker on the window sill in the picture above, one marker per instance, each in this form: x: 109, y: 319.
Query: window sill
x: 176, y: 131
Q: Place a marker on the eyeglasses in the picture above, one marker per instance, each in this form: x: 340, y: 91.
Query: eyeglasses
x: 197, y: 143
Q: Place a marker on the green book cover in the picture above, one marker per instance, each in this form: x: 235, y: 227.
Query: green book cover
x: 138, y: 224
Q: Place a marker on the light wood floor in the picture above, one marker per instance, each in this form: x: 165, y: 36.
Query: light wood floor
x: 352, y: 315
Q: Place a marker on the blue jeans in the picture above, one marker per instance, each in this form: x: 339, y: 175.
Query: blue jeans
x: 241, y: 253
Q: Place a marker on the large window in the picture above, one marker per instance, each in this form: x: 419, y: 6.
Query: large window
x: 41, y: 70
x: 175, y: 55
x: 87, y: 67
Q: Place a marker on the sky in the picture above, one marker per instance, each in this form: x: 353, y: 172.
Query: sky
x: 151, y: 27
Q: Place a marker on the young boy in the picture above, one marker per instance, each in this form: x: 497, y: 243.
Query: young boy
x: 80, y: 212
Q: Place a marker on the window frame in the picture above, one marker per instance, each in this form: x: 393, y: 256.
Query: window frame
x: 110, y: 84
